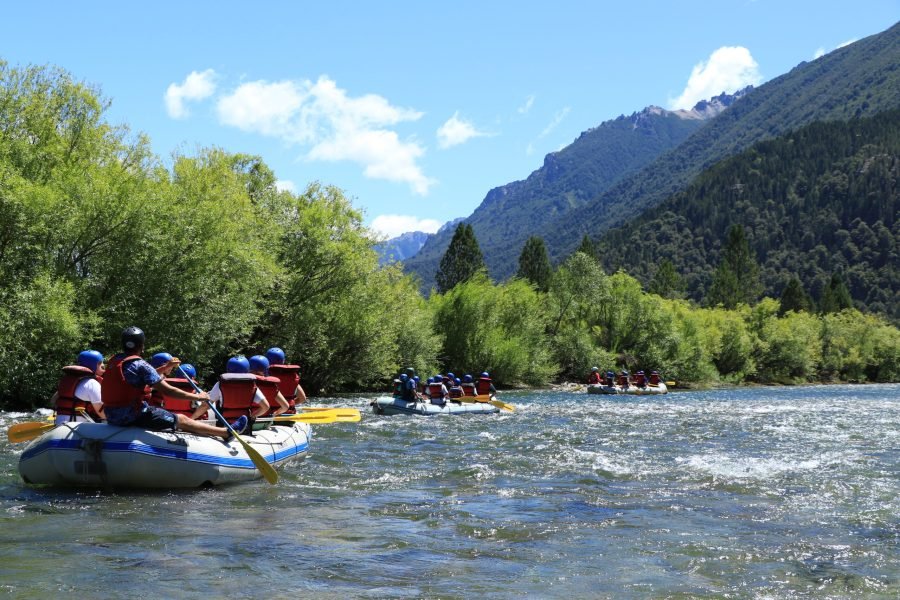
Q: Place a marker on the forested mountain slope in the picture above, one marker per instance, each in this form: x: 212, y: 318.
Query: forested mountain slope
x: 509, y: 214
x: 859, y: 80
x: 820, y: 200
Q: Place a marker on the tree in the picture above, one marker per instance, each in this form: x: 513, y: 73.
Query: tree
x: 794, y: 298
x: 666, y: 282
x: 588, y: 247
x: 461, y: 261
x: 736, y: 279
x: 534, y: 263
x: 835, y: 296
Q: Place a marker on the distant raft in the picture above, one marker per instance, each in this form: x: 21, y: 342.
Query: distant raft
x: 631, y: 390
x: 390, y: 405
x: 101, y: 455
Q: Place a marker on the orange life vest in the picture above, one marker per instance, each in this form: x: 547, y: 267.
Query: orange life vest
x: 179, y: 406
x: 483, y: 386
x: 238, y: 391
x: 468, y: 389
x: 595, y: 378
x: 118, y: 393
x: 66, y: 402
x: 269, y: 388
x: 288, y: 380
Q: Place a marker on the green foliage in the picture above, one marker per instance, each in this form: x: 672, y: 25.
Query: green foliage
x: 588, y: 247
x: 737, y: 278
x: 789, y: 348
x: 858, y: 347
x: 499, y: 329
x: 534, y: 264
x: 835, y: 296
x: 794, y: 298
x: 462, y: 260
x: 666, y: 281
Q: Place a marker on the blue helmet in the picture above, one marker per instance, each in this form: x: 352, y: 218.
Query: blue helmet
x: 457, y: 381
x: 259, y: 363
x: 159, y: 359
x: 275, y: 356
x: 467, y: 378
x: 486, y: 375
x: 451, y: 376
x: 416, y: 378
x: 189, y: 370
x: 90, y: 359
x: 238, y: 364
x: 404, y: 377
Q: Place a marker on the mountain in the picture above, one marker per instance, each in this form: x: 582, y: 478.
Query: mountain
x: 820, y: 200
x: 569, y: 178
x: 408, y: 244
x: 855, y: 81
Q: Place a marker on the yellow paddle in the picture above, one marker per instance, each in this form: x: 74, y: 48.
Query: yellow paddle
x: 316, y: 417
x: 22, y: 432
x: 267, y: 470
x: 343, y: 414
x: 485, y: 399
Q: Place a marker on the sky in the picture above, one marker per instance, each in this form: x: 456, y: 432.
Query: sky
x: 415, y: 109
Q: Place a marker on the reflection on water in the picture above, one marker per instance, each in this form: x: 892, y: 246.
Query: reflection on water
x: 768, y: 492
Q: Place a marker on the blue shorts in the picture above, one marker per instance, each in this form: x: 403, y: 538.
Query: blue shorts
x: 151, y: 418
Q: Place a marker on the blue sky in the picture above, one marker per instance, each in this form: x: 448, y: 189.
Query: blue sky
x: 415, y: 109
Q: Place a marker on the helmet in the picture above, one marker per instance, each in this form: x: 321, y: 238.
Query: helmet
x: 416, y: 379
x: 654, y: 372
x: 639, y: 373
x: 404, y: 377
x: 610, y: 374
x: 467, y: 378
x: 189, y: 370
x: 594, y: 369
x: 456, y: 381
x: 451, y: 375
x: 624, y: 372
x: 410, y: 372
x: 132, y: 338
x: 238, y: 364
x: 159, y: 359
x: 486, y: 375
x: 275, y: 356
x: 90, y: 359
x: 259, y: 363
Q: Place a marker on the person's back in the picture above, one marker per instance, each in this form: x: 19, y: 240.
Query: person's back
x: 78, y: 393
x: 437, y: 392
x: 468, y: 386
x: 485, y: 386
x: 456, y: 391
x: 594, y: 377
x: 288, y: 376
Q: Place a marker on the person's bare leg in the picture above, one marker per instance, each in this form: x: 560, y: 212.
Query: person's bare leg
x: 191, y: 426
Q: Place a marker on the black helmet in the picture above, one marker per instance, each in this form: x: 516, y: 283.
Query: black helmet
x: 132, y: 338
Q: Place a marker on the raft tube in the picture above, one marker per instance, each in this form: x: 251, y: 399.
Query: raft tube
x: 389, y: 405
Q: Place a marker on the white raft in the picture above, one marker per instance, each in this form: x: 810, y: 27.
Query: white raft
x: 100, y: 455
x: 389, y: 405
x: 631, y: 390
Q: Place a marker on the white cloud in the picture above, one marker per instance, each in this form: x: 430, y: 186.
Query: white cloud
x: 286, y: 185
x: 554, y: 123
x: 336, y: 127
x: 394, y: 225
x: 822, y: 51
x: 456, y: 131
x: 196, y: 86
x: 529, y: 102
x: 729, y: 69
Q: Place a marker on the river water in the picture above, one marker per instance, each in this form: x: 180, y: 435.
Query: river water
x: 746, y: 493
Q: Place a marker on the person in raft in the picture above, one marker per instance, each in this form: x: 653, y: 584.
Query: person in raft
x: 236, y: 394
x: 288, y: 375
x: 268, y: 385
x: 484, y: 386
x: 126, y: 386
x: 594, y: 377
x: 79, y: 388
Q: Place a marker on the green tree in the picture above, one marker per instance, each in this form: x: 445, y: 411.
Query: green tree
x: 736, y: 279
x: 835, y: 296
x: 461, y: 261
x: 666, y: 281
x: 794, y: 297
x: 534, y: 263
x: 588, y: 247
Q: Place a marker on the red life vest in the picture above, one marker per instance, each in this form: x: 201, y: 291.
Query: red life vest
x: 483, y: 386
x: 622, y: 381
x: 436, y: 390
x: 654, y: 379
x: 468, y: 389
x: 238, y: 391
x: 179, y: 406
x: 288, y: 378
x: 456, y: 391
x: 640, y: 380
x: 66, y: 402
x: 269, y: 388
x: 595, y: 378
x: 118, y: 393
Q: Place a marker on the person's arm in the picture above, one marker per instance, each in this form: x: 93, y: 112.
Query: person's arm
x: 167, y: 389
x: 301, y: 395
x: 262, y: 404
x: 282, y: 405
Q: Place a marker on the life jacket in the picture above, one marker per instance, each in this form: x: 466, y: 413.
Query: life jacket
x: 654, y: 378
x: 435, y: 390
x: 640, y: 380
x: 594, y: 378
x: 269, y: 388
x: 238, y: 391
x: 622, y: 381
x: 456, y: 391
x: 288, y: 378
x: 408, y: 393
x: 118, y: 393
x: 483, y: 386
x: 179, y: 406
x: 468, y: 389
x: 66, y: 402
x: 398, y: 389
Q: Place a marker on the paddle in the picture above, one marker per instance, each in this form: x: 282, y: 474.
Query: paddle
x: 342, y: 413
x: 22, y: 432
x: 268, y: 472
x: 318, y: 417
x: 493, y: 401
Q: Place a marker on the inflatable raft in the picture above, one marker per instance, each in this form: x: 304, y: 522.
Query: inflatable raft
x: 100, y: 455
x: 389, y: 405
x: 631, y: 390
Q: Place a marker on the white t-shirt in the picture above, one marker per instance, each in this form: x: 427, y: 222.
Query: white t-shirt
x: 88, y: 390
x: 215, y: 395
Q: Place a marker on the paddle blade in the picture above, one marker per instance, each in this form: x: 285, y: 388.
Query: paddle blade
x: 349, y: 415
x: 22, y: 432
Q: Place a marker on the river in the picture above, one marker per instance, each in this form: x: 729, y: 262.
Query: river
x: 776, y: 492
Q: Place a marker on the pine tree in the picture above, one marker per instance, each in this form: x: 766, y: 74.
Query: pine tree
x: 737, y: 277
x: 588, y: 247
x: 795, y: 298
x: 666, y: 282
x: 835, y: 296
x: 461, y: 261
x: 534, y: 263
